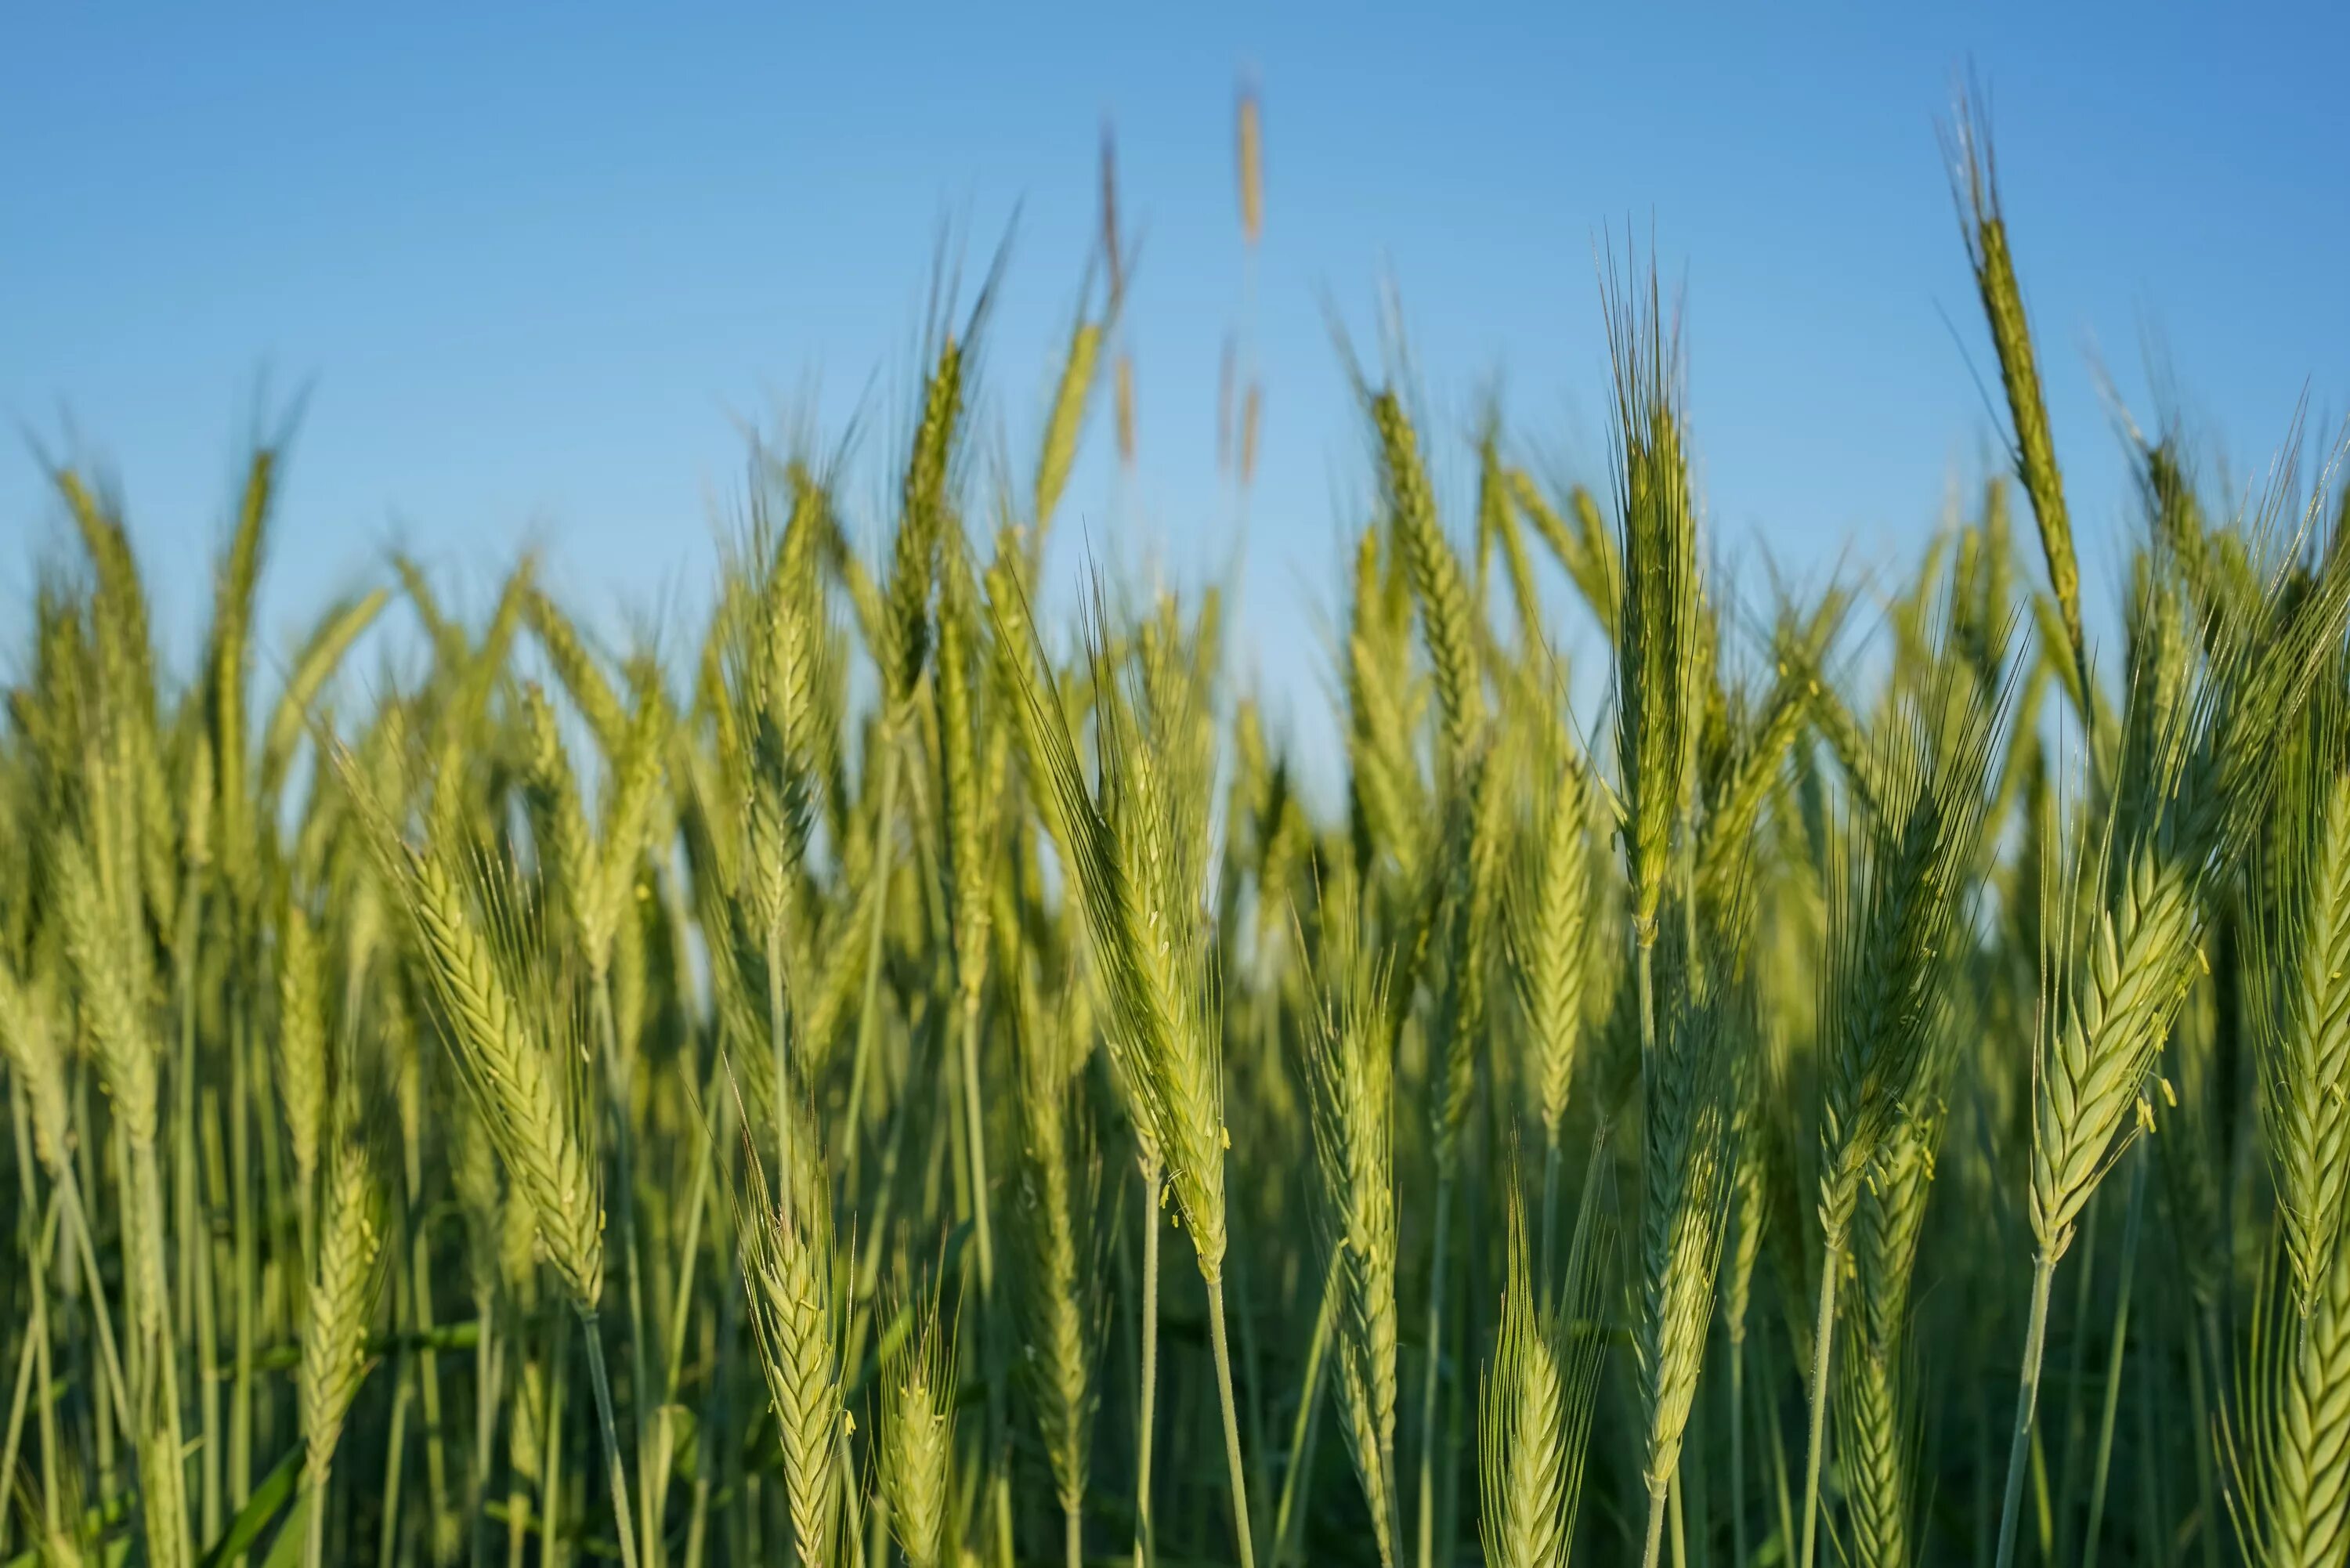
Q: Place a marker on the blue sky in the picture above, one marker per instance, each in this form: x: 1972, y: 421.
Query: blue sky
x: 534, y: 268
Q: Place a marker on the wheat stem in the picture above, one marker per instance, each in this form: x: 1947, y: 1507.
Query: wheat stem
x: 868, y: 1017
x: 1653, y: 1552
x: 1309, y: 1405
x: 623, y: 1520
x: 2027, y: 1399
x: 1220, y: 1341
x: 1146, y: 1547
x: 1823, y: 1342
x: 1430, y: 1371
x: 2113, y: 1391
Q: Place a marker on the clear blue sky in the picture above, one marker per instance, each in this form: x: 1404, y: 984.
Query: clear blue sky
x: 533, y: 267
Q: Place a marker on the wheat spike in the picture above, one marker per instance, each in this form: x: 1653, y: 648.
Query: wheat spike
x: 917, y: 1442
x: 1352, y: 1078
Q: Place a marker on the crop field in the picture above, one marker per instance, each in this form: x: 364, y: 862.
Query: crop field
x: 909, y: 1069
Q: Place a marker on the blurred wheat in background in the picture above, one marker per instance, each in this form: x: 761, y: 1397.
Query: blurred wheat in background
x: 905, y: 1075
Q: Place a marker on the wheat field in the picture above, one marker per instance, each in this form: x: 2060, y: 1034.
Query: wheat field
x: 910, y: 1076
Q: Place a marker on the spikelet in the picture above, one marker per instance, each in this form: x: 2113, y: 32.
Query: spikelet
x: 633, y: 806
x: 1383, y: 772
x: 577, y: 669
x: 1536, y: 1405
x: 923, y: 517
x: 789, y: 1266
x: 301, y: 1041
x: 1658, y: 643
x: 1451, y: 620
x: 2299, y: 995
x: 231, y: 620
x: 1124, y: 390
x: 109, y: 989
x: 1133, y: 858
x: 1690, y: 1086
x: 1248, y: 144
x: 1474, y: 899
x: 1974, y: 184
x: 1549, y: 932
x: 1520, y: 1413
x: 1898, y: 902
x: 1066, y: 423
x: 1352, y: 1080
x: 514, y: 1062
x: 1059, y: 1293
x: 29, y: 1044
x: 2207, y: 773
x: 322, y: 651
x: 339, y: 1305
x: 1873, y: 1414
x: 918, y: 1406
x: 969, y: 810
x: 2295, y: 1474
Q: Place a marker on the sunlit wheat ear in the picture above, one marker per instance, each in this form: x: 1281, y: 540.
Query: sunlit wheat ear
x: 509, y: 1044
x: 1535, y: 1407
x: 301, y: 1041
x: 633, y: 808
x: 969, y: 805
x: 1899, y: 903
x: 789, y: 1270
x: 1438, y: 582
x: 1690, y: 1088
x: 2292, y: 1462
x: 1060, y: 1296
x: 1065, y: 424
x: 1521, y: 1419
x: 1974, y: 184
x: 591, y: 692
x: 1126, y: 854
x: 30, y: 1044
x: 918, y: 1409
x: 923, y: 513
x: 339, y: 1305
x: 2183, y: 815
x: 1875, y: 1410
x: 1352, y: 1077
x: 1659, y: 641
x: 1549, y: 929
x: 2299, y: 993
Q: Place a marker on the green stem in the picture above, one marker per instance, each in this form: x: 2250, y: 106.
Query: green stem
x: 868, y: 1017
x: 2114, y: 1359
x: 1653, y: 1552
x: 2027, y: 1399
x: 1146, y: 1548
x: 2060, y: 1546
x: 1549, y: 1210
x: 623, y: 1205
x: 1738, y: 1446
x: 395, y: 1451
x: 1232, y: 1460
x: 245, y: 1042
x: 1823, y: 1351
x: 975, y: 1145
x: 33, y: 1359
x: 1307, y: 1405
x: 314, y: 1533
x: 1430, y: 1373
x: 2201, y: 1330
x: 101, y: 1318
x: 623, y: 1518
x: 485, y: 1425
